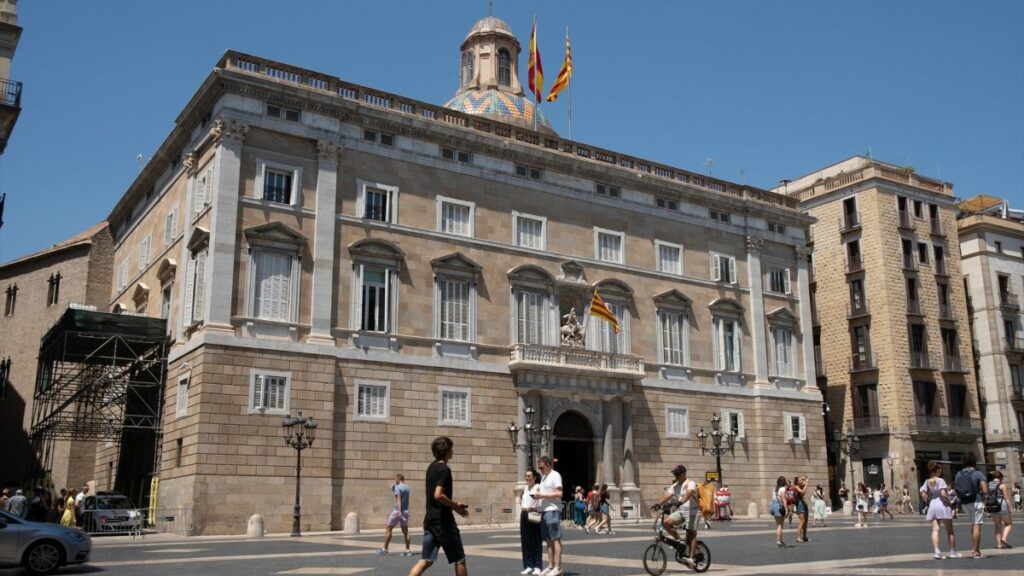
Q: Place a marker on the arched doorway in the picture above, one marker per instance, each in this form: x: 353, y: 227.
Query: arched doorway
x: 573, y: 450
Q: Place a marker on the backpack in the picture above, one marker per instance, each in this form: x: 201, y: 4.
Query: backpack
x: 706, y: 495
x: 790, y: 495
x: 964, y: 486
x: 994, y: 501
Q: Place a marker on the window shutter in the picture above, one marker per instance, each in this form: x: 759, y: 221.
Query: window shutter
x: 803, y: 428
x: 720, y: 341
x: 732, y: 270
x: 257, y: 392
x: 198, y: 310
x: 742, y: 427
x: 174, y: 221
x: 716, y: 268
x: 785, y: 282
x: 168, y: 225
x: 388, y: 300
x: 190, y: 291
x: 787, y: 426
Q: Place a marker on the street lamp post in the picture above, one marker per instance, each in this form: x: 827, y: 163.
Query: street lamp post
x: 299, y: 433
x: 716, y: 440
x: 892, y: 476
x: 849, y: 443
x: 535, y: 437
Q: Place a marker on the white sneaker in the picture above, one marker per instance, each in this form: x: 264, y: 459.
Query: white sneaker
x: 527, y: 571
x: 546, y: 571
x: 556, y: 572
x: 536, y: 572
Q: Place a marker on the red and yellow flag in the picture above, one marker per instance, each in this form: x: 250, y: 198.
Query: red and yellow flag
x: 565, y: 74
x: 535, y: 70
x: 601, y: 310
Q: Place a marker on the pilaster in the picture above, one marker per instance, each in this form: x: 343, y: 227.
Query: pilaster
x: 759, y: 332
x: 191, y: 165
x: 227, y: 137
x: 323, y: 243
x: 806, y: 321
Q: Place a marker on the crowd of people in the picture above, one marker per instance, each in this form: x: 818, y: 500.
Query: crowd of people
x: 65, y: 508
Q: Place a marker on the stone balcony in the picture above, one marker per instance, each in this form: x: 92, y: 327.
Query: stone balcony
x: 870, y: 425
x: 574, y: 361
x: 930, y: 425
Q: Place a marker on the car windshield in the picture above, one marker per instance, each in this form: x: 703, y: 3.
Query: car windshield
x: 114, y: 503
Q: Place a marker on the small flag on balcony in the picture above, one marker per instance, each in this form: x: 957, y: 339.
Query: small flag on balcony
x: 601, y: 310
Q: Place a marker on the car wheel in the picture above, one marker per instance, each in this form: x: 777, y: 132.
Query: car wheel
x: 43, y: 557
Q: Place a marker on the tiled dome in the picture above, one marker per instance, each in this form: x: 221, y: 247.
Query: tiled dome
x: 490, y: 24
x: 501, y: 106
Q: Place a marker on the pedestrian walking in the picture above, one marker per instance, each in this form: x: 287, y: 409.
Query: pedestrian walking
x: 549, y: 492
x: 80, y: 505
x: 1016, y: 497
x: 17, y: 506
x: 529, y: 527
x: 935, y: 493
x: 5, y: 496
x: 682, y: 493
x: 819, y: 507
x: 593, y: 508
x: 399, y: 515
x: 800, y: 487
x: 68, y: 516
x: 439, y: 528
x: 604, y: 507
x: 1003, y: 519
x: 862, y: 497
x: 883, y: 503
x: 969, y: 483
x: 844, y: 494
x: 905, y: 507
x: 579, y: 507
x: 778, y: 509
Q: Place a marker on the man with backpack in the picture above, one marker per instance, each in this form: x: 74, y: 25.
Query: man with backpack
x: 968, y: 484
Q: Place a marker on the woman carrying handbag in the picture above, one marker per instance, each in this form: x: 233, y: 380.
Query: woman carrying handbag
x: 529, y: 527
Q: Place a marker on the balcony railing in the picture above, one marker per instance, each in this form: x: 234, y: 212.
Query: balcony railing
x: 946, y: 312
x: 574, y: 360
x: 863, y: 362
x: 819, y: 363
x: 1017, y: 394
x: 1009, y: 300
x: 854, y: 264
x: 1013, y: 345
x: 906, y: 220
x: 946, y: 424
x: 914, y: 306
x: 10, y: 93
x: 849, y: 222
x: 908, y: 262
x: 920, y: 360
x: 940, y: 267
x: 868, y: 425
x: 936, y: 227
x: 952, y: 364
x: 857, y: 309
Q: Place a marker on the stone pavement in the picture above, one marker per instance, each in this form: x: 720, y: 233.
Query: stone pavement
x: 743, y: 547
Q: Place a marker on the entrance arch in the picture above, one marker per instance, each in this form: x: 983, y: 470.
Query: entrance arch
x: 572, y: 446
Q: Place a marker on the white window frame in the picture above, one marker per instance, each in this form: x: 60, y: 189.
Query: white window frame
x: 441, y: 420
x: 598, y: 232
x: 181, y: 395
x: 517, y: 217
x: 685, y: 340
x: 669, y: 410
x: 254, y: 375
x: 122, y: 274
x: 391, y: 191
x: 439, y: 306
x: 171, y: 225
x: 195, y: 287
x: 719, y: 343
x: 787, y: 427
x: 262, y: 165
x: 544, y: 314
x: 785, y: 277
x: 441, y: 201
x: 202, y: 190
x: 360, y: 384
x: 599, y: 328
x: 144, y: 248
x: 780, y: 368
x: 293, y: 283
x: 727, y: 415
x: 391, y: 291
x: 658, y: 245
x: 716, y: 268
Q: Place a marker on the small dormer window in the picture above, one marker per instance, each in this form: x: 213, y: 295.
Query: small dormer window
x: 467, y: 67
x: 504, y: 67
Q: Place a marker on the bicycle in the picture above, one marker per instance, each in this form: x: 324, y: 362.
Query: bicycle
x: 655, y: 557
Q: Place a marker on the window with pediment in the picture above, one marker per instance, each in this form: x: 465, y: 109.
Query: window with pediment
x: 376, y: 264
x: 532, y: 294
x: 455, y: 279
x: 673, y: 328
x: 601, y: 334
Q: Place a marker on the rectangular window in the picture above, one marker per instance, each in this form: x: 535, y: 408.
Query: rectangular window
x: 181, y: 399
x: 606, y: 190
x: 454, y: 407
x: 778, y: 280
x: 177, y: 452
x: 379, y: 203
x: 372, y: 400
x: 171, y: 225
x: 202, y: 191
x: 455, y: 217
x: 277, y: 186
x: 666, y: 203
x: 857, y: 301
x: 723, y: 217
x: 677, y: 421
x: 673, y: 337
x: 670, y: 257
x: 269, y: 392
x: 144, y: 252
x: 122, y: 274
x: 922, y: 253
x: 530, y: 315
x: 455, y: 303
x: 795, y: 427
x: 924, y: 398
x: 918, y: 209
x: 608, y: 245
x: 456, y: 155
x: 273, y: 286
x: 727, y: 340
x: 605, y: 339
x: 777, y: 228
x: 783, y: 340
x: 375, y: 300
x: 732, y: 423
x: 195, y: 288
x: 723, y: 268
x: 289, y: 114
x: 530, y: 231
x: 524, y: 171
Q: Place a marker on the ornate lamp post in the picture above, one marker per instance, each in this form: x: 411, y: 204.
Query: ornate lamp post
x: 716, y: 440
x: 849, y: 443
x: 299, y: 433
x: 535, y: 437
x: 892, y: 477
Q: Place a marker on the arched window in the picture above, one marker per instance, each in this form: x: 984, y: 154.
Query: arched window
x: 504, y: 67
x: 467, y: 67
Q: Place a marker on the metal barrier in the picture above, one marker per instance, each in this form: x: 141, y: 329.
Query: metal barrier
x: 138, y: 521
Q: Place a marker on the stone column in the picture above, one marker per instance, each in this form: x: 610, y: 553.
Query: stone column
x: 608, y: 445
x: 191, y: 164
x: 522, y: 459
x: 630, y: 504
x: 220, y: 282
x: 759, y: 331
x: 806, y: 322
x: 322, y: 304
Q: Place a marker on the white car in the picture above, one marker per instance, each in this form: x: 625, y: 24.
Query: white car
x: 41, y: 547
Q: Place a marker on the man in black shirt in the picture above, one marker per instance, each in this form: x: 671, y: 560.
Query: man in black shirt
x: 439, y: 528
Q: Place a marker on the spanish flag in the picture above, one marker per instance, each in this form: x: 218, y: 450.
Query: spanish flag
x: 535, y: 70
x: 565, y: 74
x: 601, y: 310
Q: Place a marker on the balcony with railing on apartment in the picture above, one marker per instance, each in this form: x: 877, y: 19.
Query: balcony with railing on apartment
x: 951, y: 425
x: 870, y: 425
x: 908, y: 261
x: 940, y: 267
x: 854, y: 264
x: 953, y: 363
x: 1008, y: 301
x: 10, y: 108
x: 849, y: 222
x: 920, y: 360
x: 914, y: 307
x: 1017, y: 394
x: 863, y: 362
x: 946, y: 312
x: 1013, y: 345
x: 857, y: 309
x: 936, y: 227
x: 907, y: 221
x: 573, y: 360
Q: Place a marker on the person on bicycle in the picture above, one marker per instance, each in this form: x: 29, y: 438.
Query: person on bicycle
x: 682, y: 493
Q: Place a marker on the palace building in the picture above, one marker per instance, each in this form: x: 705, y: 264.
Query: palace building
x: 400, y: 270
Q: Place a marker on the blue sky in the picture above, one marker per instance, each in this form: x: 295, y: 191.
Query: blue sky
x: 768, y: 89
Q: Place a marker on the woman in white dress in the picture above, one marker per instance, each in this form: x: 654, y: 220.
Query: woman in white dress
x: 818, y: 503
x: 935, y: 492
x: 862, y: 496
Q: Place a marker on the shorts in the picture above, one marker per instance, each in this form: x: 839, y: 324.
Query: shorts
x: 550, y: 526
x: 448, y: 539
x: 801, y: 507
x: 687, y: 520
x: 397, y: 518
x: 604, y: 508
x: 776, y: 509
x: 977, y: 511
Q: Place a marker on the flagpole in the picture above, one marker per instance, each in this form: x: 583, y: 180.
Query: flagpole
x: 570, y: 91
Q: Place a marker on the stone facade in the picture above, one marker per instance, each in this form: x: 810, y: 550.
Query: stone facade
x: 892, y: 333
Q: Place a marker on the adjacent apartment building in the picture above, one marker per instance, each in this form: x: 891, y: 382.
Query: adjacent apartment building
x: 992, y: 262
x: 891, y: 335
x: 400, y: 270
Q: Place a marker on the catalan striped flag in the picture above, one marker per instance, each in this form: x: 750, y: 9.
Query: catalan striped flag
x: 601, y: 310
x: 565, y: 74
x: 535, y: 71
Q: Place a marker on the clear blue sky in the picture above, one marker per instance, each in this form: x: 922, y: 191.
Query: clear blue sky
x: 772, y: 88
